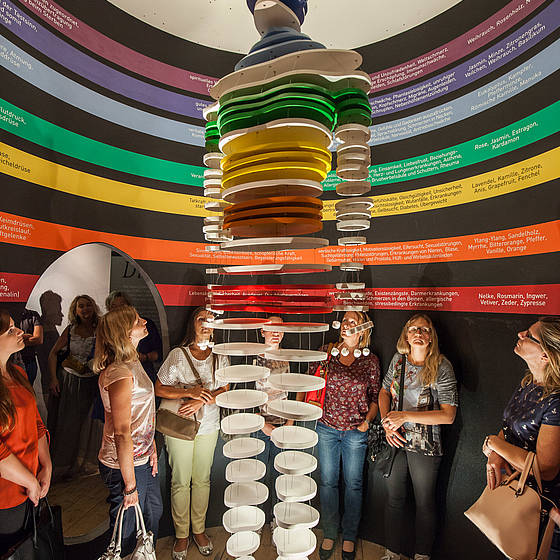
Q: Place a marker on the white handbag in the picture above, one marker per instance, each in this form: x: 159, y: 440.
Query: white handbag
x: 144, y: 549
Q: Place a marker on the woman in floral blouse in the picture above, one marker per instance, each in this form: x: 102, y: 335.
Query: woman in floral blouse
x: 531, y: 419
x: 350, y: 405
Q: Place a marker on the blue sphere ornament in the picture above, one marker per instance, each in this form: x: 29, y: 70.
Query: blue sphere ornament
x: 299, y: 7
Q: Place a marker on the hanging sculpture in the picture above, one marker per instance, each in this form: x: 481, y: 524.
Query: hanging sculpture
x: 268, y: 141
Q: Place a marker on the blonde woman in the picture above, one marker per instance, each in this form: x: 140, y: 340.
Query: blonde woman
x: 73, y: 386
x: 191, y: 461
x: 25, y: 463
x: 350, y: 405
x: 128, y: 456
x: 531, y: 420
x: 429, y: 400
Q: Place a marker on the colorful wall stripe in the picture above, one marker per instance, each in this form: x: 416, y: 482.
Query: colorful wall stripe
x: 87, y: 67
x: 48, y: 80
x: 490, y: 60
x: 32, y: 128
x: 450, y: 52
x: 534, y: 70
x: 107, y: 48
x: 527, y: 240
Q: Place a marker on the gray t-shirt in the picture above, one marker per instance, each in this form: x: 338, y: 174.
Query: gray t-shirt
x: 420, y: 437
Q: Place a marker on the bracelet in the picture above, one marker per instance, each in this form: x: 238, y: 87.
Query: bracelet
x: 129, y: 492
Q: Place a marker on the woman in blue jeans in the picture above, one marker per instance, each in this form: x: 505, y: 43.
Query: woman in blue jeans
x: 128, y: 457
x: 353, y: 380
x: 531, y: 420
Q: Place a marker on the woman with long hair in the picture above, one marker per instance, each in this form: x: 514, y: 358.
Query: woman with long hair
x: 191, y: 460
x: 429, y: 399
x: 128, y: 456
x: 73, y: 389
x: 25, y: 463
x: 531, y: 420
x: 353, y: 380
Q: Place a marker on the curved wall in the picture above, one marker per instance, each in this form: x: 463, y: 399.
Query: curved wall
x: 100, y: 140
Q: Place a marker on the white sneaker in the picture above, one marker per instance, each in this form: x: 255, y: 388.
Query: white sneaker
x: 390, y: 555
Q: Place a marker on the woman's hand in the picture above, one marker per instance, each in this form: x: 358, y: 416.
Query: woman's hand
x: 394, y: 437
x: 130, y: 500
x: 190, y: 407
x: 494, y: 468
x: 54, y: 387
x: 33, y: 491
x: 44, y: 479
x: 154, y: 460
x: 267, y: 429
x: 199, y: 393
x: 363, y: 427
x: 394, y: 420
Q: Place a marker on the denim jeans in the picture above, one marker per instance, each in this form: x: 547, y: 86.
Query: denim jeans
x: 267, y: 457
x: 149, y: 498
x: 423, y: 471
x: 351, y: 447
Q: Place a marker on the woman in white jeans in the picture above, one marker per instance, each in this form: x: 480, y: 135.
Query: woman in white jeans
x: 191, y: 461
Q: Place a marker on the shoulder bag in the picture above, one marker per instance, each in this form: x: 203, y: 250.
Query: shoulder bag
x: 168, y: 419
x: 380, y: 453
x: 144, y: 549
x: 317, y: 397
x: 511, y: 514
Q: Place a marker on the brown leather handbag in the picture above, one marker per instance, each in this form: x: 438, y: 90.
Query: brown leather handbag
x: 168, y: 419
x: 510, y: 515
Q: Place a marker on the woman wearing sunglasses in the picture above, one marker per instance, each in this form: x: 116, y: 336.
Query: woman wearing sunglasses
x: 429, y: 400
x: 531, y: 420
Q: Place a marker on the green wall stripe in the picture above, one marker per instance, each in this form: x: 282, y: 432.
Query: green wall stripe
x: 516, y: 135
x: 33, y: 128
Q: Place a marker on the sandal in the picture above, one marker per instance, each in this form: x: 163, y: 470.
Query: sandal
x: 182, y: 555
x: 205, y: 549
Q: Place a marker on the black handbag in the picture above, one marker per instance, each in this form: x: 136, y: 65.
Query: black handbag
x: 43, y: 538
x: 380, y: 453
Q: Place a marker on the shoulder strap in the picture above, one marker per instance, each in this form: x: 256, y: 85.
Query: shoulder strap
x: 401, y: 382
x: 194, y: 370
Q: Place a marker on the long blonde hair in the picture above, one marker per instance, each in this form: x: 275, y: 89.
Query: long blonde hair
x: 113, y: 342
x: 365, y: 336
x: 550, y: 343
x: 73, y: 317
x: 428, y: 374
x: 7, y: 407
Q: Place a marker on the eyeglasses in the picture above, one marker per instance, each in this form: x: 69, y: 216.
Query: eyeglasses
x: 424, y: 330
x: 531, y: 337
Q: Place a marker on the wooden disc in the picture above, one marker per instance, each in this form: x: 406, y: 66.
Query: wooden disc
x: 353, y: 188
x: 276, y: 227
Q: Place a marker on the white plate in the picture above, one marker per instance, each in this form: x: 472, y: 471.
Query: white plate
x: 294, y: 437
x: 293, y: 515
x: 352, y: 240
x: 243, y: 543
x: 296, y: 327
x: 295, y: 462
x: 296, y: 382
x: 238, y: 324
x: 294, y: 410
x: 245, y: 470
x: 295, y: 488
x: 243, y: 447
x: 245, y: 494
x: 241, y: 398
x: 242, y: 373
x: 269, y: 269
x: 352, y: 225
x: 243, y: 518
x: 240, y: 348
x: 295, y: 355
x: 242, y: 423
x: 351, y: 266
x: 294, y: 542
x: 257, y: 244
